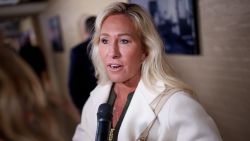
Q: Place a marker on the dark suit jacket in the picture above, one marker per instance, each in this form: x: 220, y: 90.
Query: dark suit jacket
x: 81, y: 78
x: 35, y: 58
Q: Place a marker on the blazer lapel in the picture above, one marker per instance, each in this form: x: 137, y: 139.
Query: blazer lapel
x: 101, y: 93
x: 139, y: 113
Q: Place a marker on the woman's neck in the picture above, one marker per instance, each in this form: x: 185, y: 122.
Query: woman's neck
x: 126, y: 87
x: 122, y: 90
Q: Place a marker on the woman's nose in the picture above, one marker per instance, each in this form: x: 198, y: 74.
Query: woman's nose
x: 114, y: 51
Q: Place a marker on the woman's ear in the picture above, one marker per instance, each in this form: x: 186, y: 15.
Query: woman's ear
x: 144, y: 53
x: 143, y: 56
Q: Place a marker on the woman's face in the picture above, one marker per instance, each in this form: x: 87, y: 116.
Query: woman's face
x: 120, y: 49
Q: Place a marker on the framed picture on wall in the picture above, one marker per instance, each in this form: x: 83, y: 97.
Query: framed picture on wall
x: 176, y: 22
x: 55, y: 34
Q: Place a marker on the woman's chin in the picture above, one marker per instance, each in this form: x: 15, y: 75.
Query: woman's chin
x: 117, y: 79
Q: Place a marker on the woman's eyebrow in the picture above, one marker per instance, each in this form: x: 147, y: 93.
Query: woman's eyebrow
x: 104, y: 34
x: 120, y: 34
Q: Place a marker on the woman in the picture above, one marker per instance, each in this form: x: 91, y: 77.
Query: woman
x: 131, y: 66
x: 26, y: 113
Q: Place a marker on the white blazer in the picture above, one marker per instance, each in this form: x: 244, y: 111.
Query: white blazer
x: 180, y: 119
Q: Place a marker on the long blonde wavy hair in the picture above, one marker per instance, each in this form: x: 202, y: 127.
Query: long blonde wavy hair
x: 24, y: 112
x: 155, y: 67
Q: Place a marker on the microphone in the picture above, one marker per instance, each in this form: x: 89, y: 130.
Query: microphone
x: 104, y: 117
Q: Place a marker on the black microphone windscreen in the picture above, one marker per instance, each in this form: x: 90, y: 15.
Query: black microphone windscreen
x: 104, y: 118
x: 105, y: 112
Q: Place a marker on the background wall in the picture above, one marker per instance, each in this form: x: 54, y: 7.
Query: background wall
x: 220, y: 75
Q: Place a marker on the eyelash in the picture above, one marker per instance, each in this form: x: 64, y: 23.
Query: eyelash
x: 123, y: 41
x: 104, y: 41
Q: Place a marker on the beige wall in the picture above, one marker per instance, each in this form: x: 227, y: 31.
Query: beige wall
x: 220, y: 75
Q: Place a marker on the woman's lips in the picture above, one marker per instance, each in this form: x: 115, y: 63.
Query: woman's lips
x: 114, y: 67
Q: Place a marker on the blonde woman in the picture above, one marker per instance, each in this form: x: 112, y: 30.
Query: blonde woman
x: 150, y: 102
x: 25, y: 111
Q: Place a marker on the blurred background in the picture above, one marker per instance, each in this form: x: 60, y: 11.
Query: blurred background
x: 220, y: 74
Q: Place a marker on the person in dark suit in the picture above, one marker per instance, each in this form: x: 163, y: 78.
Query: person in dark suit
x: 81, y: 74
x: 34, y: 56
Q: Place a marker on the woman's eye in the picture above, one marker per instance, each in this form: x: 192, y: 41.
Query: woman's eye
x: 104, y: 41
x: 124, y: 41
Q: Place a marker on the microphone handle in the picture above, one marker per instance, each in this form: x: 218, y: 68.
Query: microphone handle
x: 103, y: 130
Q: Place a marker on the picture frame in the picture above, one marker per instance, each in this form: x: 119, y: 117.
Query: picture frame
x: 176, y: 22
x: 55, y: 34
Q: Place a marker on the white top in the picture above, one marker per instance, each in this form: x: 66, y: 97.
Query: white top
x: 181, y: 119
